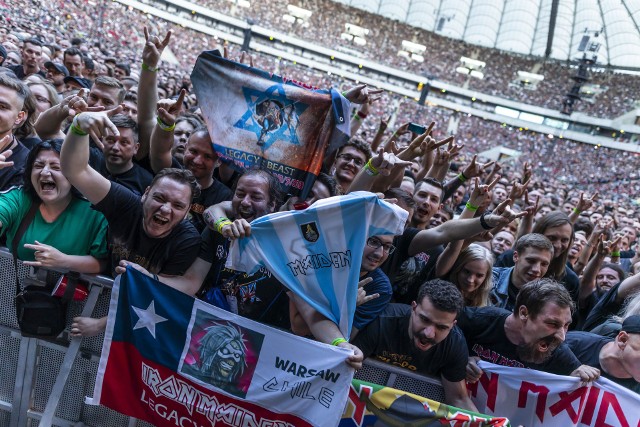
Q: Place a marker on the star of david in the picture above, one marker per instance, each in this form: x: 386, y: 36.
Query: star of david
x: 248, y: 122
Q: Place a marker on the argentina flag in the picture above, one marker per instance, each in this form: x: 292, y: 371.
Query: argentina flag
x: 317, y: 252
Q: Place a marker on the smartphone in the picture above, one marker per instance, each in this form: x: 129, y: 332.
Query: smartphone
x: 417, y: 129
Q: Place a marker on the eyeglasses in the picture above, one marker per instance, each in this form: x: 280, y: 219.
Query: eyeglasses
x: 375, y: 243
x: 356, y: 160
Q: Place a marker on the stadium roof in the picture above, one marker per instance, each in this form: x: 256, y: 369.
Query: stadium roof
x: 523, y: 26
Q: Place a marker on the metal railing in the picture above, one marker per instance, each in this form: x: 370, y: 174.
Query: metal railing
x: 44, y: 382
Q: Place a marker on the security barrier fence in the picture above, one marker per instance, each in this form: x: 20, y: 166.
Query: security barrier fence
x: 45, y: 382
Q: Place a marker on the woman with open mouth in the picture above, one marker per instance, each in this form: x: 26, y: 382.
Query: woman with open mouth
x: 65, y: 233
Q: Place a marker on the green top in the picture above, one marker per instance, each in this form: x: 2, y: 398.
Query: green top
x: 79, y: 230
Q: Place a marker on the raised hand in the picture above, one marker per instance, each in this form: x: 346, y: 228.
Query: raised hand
x: 361, y: 94
x: 363, y: 298
x: 384, y: 162
x: 153, y: 48
x: 474, y: 168
x: 169, y: 110
x: 586, y: 204
x: 97, y: 124
x: 6, y: 142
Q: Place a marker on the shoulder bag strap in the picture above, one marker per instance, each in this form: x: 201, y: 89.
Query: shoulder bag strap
x: 26, y: 220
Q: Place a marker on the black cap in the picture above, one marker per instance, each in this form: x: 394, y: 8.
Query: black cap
x: 85, y: 83
x: 3, y: 52
x: 59, y: 67
x: 631, y: 324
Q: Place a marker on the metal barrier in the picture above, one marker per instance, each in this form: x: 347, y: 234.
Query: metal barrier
x: 44, y: 383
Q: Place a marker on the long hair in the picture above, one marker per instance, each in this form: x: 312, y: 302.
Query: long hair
x: 479, y: 297
x: 557, y: 268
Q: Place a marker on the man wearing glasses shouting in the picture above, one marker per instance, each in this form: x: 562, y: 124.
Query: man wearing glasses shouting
x: 375, y: 291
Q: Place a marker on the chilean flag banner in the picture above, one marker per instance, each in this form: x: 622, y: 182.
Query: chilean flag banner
x: 170, y: 359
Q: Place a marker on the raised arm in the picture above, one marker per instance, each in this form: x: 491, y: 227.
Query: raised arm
x: 49, y: 123
x: 162, y: 135
x: 377, y: 169
x: 74, y: 158
x: 583, y: 205
x: 459, y: 229
x: 448, y: 258
x: 148, y: 89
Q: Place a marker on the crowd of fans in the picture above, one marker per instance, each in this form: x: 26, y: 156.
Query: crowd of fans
x: 106, y: 143
x: 443, y: 56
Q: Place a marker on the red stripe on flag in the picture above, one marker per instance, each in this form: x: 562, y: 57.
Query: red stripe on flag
x: 148, y: 391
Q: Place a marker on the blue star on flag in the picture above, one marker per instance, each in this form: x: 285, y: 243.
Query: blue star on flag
x: 290, y: 113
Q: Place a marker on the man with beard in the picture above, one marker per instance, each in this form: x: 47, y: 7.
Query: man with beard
x: 423, y: 337
x: 532, y: 336
x: 31, y: 58
x: 148, y: 230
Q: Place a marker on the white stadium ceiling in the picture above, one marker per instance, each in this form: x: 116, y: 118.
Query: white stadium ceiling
x: 522, y: 26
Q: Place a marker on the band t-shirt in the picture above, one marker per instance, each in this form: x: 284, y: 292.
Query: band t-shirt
x: 171, y: 255
x: 387, y: 338
x: 606, y: 307
x: 407, y: 273
x: 212, y: 195
x: 258, y: 296
x: 587, y: 346
x: 483, y: 328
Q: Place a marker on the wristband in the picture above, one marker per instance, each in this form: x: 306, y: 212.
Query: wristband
x: 370, y: 170
x: 75, y: 129
x: 615, y: 254
x: 221, y: 223
x: 356, y: 117
x: 576, y: 210
x: 148, y: 68
x: 165, y: 127
x: 483, y: 222
x: 471, y: 207
x: 461, y: 177
x: 361, y: 115
x: 338, y: 341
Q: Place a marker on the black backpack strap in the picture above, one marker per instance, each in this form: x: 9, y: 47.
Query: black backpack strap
x: 26, y: 220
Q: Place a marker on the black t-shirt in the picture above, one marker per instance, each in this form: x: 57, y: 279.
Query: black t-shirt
x: 145, y: 163
x: 260, y: 296
x: 215, y: 193
x: 18, y: 70
x: 587, y: 347
x: 387, y: 338
x: 171, y: 255
x: 30, y: 141
x: 406, y: 273
x: 483, y: 328
x: 12, y: 176
x: 136, y: 179
x: 606, y: 307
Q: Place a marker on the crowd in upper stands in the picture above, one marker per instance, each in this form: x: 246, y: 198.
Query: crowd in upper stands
x: 106, y: 145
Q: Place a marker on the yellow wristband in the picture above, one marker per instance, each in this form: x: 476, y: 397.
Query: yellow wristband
x: 338, y: 341
x: 219, y: 224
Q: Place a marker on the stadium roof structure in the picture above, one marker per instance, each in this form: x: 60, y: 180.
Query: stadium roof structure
x: 545, y: 28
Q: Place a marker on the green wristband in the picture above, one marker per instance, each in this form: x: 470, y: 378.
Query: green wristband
x: 461, y: 177
x: 471, y: 207
x: 148, y: 68
x: 615, y: 254
x: 165, y: 127
x: 338, y: 341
